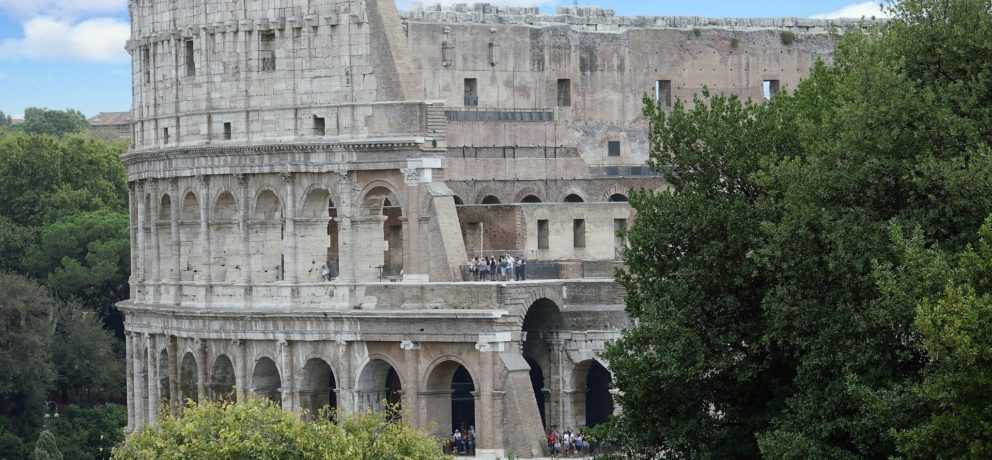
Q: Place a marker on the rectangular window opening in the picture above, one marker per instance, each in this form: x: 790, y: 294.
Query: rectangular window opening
x: 165, y: 135
x: 620, y: 241
x: 579, y: 233
x: 227, y: 131
x: 267, y: 51
x: 613, y: 148
x: 319, y: 126
x: 663, y: 92
x: 769, y: 88
x: 190, y: 59
x: 471, y: 92
x: 146, y: 63
x: 564, y: 92
x: 543, y: 234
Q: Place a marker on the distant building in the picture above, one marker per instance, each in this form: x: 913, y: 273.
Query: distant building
x: 112, y: 126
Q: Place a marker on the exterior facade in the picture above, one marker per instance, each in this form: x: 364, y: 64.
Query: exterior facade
x: 309, y: 179
x: 111, y: 126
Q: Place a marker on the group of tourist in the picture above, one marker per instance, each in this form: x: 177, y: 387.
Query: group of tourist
x: 568, y: 444
x: 462, y: 442
x: 505, y: 268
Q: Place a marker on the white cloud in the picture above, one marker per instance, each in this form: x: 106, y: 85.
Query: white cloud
x: 856, y: 11
x: 61, y: 8
x: 96, y: 39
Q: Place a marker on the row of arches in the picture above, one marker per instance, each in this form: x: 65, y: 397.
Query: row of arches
x: 533, y: 199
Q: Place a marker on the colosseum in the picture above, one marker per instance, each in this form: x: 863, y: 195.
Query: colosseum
x: 309, y: 180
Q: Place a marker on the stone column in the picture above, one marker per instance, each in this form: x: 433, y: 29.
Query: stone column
x: 156, y: 262
x: 174, y: 400
x: 346, y: 210
x: 140, y: 383
x: 290, y: 273
x: 240, y: 374
x: 207, y: 268
x: 132, y: 224
x: 286, y: 376
x: 201, y: 369
x: 139, y: 269
x: 175, y: 245
x: 153, y: 393
x: 243, y: 223
x: 129, y: 376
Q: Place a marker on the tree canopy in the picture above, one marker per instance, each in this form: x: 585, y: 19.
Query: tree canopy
x: 763, y: 326
x: 53, y: 122
x: 258, y: 429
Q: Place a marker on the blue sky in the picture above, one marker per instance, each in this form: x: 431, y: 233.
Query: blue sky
x: 69, y: 53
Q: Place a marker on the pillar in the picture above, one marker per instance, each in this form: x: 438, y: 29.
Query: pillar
x: 140, y: 385
x: 286, y: 376
x: 346, y: 209
x: 175, y: 246
x: 290, y: 274
x: 239, y: 370
x: 174, y: 400
x: 156, y: 262
x: 204, y: 192
x: 153, y: 387
x: 132, y: 224
x: 129, y: 376
x: 243, y: 221
x: 139, y: 269
x: 200, y: 348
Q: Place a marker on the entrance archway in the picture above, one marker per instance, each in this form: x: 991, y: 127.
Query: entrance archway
x: 319, y: 393
x: 189, y: 379
x: 379, y: 388
x: 451, y: 397
x: 392, y: 230
x: 164, y: 389
x: 222, y: 380
x: 593, y: 403
x: 543, y: 319
x: 266, y: 381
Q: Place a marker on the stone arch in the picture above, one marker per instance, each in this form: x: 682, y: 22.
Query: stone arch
x: 222, y: 380
x: 379, y: 195
x: 574, y: 198
x: 318, y: 235
x: 541, y: 322
x: 451, y: 395
x: 189, y: 379
x: 268, y: 206
x: 266, y: 381
x: 489, y: 200
x: 379, y: 387
x: 592, y: 402
x: 616, y: 189
x: 315, y: 203
x: 618, y: 198
x: 225, y: 207
x: 531, y: 199
x: 458, y: 200
x: 318, y: 392
x: 530, y: 193
x: 537, y: 382
x: 165, y: 208
x: 190, y: 211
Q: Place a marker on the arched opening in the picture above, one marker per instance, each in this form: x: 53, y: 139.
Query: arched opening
x: 593, y: 403
x: 392, y: 229
x: 268, y: 231
x: 379, y: 388
x: 164, y: 383
x: 490, y: 199
x: 319, y: 393
x: 190, y: 253
x: 318, y: 236
x: 222, y: 380
x: 542, y: 321
x: 618, y: 198
x: 531, y: 199
x: 458, y: 201
x: 451, y: 398
x: 225, y: 231
x: 265, y: 381
x: 573, y: 198
x: 167, y: 258
x: 189, y: 379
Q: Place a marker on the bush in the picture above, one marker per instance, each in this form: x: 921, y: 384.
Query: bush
x: 257, y: 429
x: 788, y: 38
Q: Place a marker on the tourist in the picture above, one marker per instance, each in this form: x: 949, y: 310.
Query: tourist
x: 493, y: 268
x: 512, y: 269
x: 523, y: 269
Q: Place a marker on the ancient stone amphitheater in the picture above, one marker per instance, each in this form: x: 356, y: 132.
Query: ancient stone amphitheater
x: 309, y: 178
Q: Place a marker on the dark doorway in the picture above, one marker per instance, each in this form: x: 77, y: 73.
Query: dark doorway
x: 599, y: 401
x: 537, y: 381
x: 462, y: 400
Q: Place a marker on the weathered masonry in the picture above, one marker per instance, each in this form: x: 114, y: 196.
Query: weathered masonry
x: 308, y: 180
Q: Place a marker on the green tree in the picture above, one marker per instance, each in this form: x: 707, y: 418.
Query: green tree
x: 46, y: 448
x: 87, y: 369
x: 25, y: 330
x: 89, y: 433
x: 257, y: 429
x: 5, y: 120
x: 85, y: 257
x: 762, y: 329
x: 54, y: 122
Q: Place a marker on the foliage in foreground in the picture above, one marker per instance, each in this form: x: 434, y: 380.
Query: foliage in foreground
x: 258, y: 429
x: 778, y: 312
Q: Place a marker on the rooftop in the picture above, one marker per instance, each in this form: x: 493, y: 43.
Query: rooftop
x: 110, y: 119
